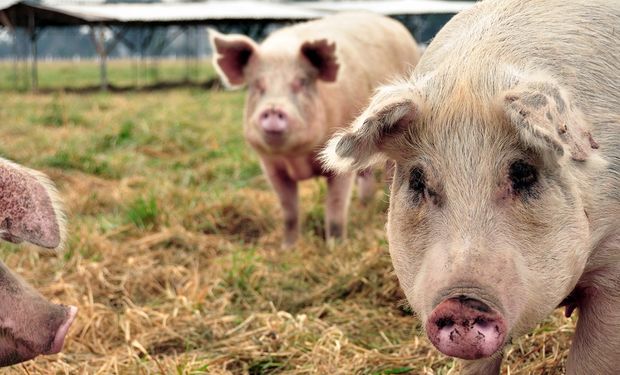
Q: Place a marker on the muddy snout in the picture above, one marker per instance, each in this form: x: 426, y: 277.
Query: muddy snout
x: 466, y: 328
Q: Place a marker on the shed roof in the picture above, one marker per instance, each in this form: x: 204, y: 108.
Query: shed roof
x: 20, y: 12
x: 392, y: 8
x: 193, y: 12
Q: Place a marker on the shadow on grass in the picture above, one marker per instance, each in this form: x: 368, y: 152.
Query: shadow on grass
x: 212, y: 83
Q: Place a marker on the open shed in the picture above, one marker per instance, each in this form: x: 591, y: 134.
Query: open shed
x: 116, y: 19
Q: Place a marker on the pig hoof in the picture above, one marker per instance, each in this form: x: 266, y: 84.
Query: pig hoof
x: 59, y: 339
x: 466, y: 328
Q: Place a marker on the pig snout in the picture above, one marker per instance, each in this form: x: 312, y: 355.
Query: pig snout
x: 466, y: 328
x: 61, y: 333
x: 18, y: 344
x: 274, y: 122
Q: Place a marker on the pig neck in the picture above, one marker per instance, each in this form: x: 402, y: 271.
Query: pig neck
x: 299, y: 168
x: 602, y: 208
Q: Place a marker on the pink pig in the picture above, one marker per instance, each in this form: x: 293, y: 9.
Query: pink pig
x: 305, y: 82
x: 29, y: 211
x: 505, y: 201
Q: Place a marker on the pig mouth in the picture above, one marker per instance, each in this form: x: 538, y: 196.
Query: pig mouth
x: 274, y: 139
x: 14, y: 349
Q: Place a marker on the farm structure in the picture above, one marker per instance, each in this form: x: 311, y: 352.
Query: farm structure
x: 109, y: 24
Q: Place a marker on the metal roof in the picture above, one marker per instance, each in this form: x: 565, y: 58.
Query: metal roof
x: 7, y: 3
x: 20, y: 13
x: 190, y: 12
x: 58, y: 14
x: 392, y: 8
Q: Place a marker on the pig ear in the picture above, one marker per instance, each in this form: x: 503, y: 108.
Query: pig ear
x: 29, y: 207
x: 322, y: 55
x: 231, y: 55
x: 376, y: 132
x: 546, y: 120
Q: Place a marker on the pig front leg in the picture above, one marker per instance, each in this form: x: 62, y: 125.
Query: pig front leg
x: 596, y: 344
x: 286, y: 189
x: 485, y: 366
x: 337, y: 205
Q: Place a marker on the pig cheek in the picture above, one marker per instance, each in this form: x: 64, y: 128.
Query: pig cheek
x: 406, y: 229
x: 13, y: 351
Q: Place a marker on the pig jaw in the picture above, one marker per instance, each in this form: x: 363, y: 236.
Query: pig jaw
x: 49, y: 340
x: 29, y: 324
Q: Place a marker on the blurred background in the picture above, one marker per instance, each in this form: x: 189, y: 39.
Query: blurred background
x: 120, y: 45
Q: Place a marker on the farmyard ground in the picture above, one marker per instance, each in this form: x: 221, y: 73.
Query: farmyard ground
x: 173, y: 257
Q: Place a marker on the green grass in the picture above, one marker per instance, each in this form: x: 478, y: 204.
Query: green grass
x: 80, y: 74
x: 143, y: 212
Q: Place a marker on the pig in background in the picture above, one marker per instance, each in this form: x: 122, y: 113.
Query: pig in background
x: 505, y: 201
x: 305, y: 82
x: 29, y: 211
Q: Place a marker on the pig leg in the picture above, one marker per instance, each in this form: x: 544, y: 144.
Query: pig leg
x: 365, y: 185
x: 485, y: 366
x: 596, y: 344
x: 337, y: 205
x: 286, y: 189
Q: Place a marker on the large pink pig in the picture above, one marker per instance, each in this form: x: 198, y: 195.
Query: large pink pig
x: 304, y: 82
x: 505, y: 201
x: 29, y: 211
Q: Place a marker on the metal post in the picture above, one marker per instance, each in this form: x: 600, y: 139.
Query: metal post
x: 187, y: 48
x: 103, y: 60
x: 98, y: 38
x: 5, y: 20
x: 32, y: 32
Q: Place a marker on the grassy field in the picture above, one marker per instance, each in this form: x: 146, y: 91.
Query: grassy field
x: 174, y: 259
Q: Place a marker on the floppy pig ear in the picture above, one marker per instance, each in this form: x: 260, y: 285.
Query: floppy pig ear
x: 29, y: 207
x: 391, y: 112
x: 231, y: 55
x: 546, y: 121
x: 322, y: 55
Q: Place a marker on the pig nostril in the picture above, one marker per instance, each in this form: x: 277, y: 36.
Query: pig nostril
x: 444, y: 322
x: 481, y: 322
x: 280, y: 116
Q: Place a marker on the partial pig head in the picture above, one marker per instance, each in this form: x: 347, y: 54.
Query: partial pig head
x: 29, y: 211
x: 487, y: 229
x: 284, y: 112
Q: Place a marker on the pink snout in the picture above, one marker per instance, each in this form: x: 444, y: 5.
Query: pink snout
x: 273, y: 121
x: 59, y: 338
x: 466, y: 328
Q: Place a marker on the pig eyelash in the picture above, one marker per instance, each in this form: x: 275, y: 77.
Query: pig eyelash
x: 523, y: 176
x: 417, y: 184
x: 417, y: 181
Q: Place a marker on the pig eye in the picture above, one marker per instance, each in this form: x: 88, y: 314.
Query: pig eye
x: 258, y: 87
x: 417, y: 181
x: 420, y: 189
x: 299, y: 84
x: 523, y: 176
